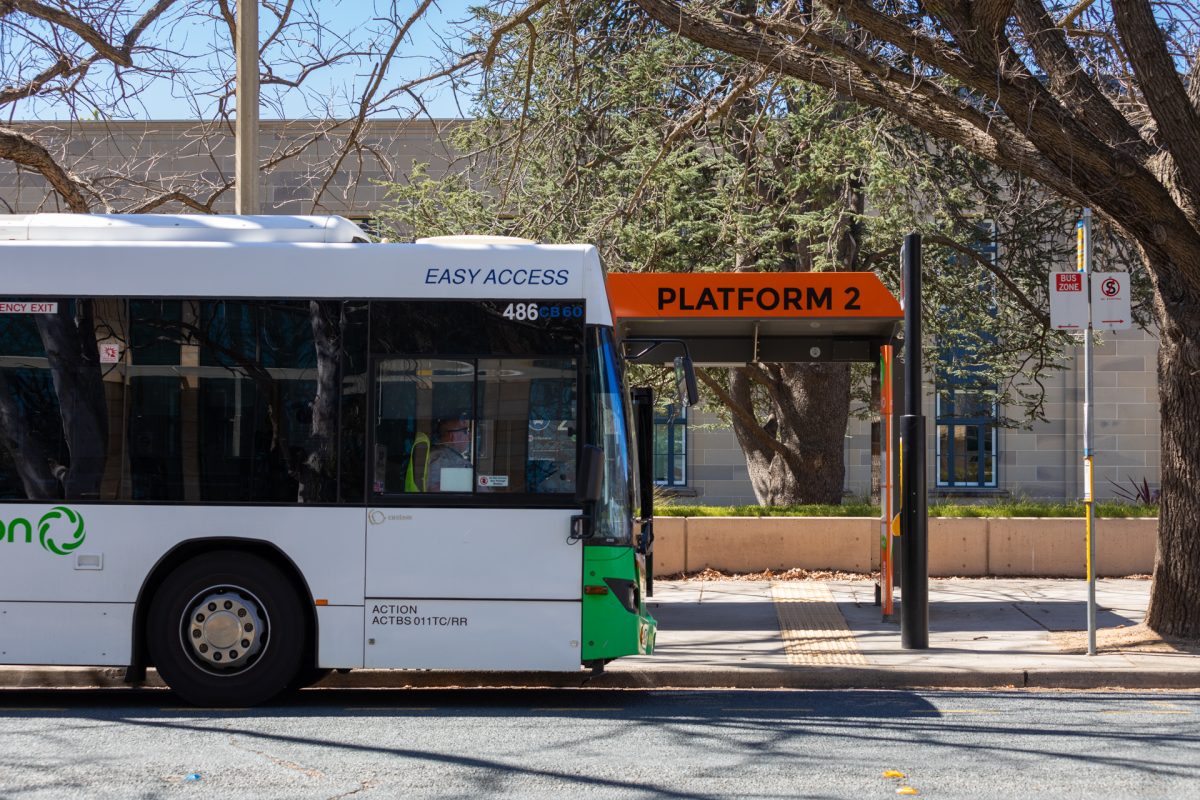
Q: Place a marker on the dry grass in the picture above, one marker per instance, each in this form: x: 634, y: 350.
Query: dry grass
x: 794, y: 574
x: 1132, y: 639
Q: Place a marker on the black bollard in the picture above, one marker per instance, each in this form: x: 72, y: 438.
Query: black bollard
x: 914, y: 520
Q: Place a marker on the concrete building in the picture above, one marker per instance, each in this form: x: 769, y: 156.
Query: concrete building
x: 310, y: 167
x: 313, y: 167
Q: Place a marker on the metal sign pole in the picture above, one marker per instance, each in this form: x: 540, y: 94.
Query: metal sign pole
x: 1084, y: 265
x: 246, y: 121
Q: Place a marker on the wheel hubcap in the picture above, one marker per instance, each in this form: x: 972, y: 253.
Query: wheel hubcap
x: 225, y: 628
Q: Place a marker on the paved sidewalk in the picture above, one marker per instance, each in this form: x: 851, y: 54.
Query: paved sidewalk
x: 826, y: 634
x: 982, y: 633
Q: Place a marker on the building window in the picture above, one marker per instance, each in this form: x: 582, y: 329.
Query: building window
x: 967, y: 438
x: 670, y: 448
x: 967, y: 419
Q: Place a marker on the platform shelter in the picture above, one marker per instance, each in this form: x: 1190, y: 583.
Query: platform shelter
x: 731, y: 319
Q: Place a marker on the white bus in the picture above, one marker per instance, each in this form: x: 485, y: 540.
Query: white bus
x: 244, y: 450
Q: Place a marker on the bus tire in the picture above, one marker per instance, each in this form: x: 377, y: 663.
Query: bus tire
x: 226, y: 628
x: 308, y: 676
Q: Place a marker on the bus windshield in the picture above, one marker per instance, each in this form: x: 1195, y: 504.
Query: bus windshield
x: 612, y: 430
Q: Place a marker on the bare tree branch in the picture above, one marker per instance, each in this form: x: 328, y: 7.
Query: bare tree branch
x: 122, y: 55
x: 940, y: 115
x: 1069, y: 80
x: 516, y: 20
x: 1039, y: 138
x: 368, y: 95
x: 173, y: 197
x: 743, y: 416
x: 25, y: 151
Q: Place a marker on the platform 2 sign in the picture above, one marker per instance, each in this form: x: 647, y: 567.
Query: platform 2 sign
x: 751, y: 294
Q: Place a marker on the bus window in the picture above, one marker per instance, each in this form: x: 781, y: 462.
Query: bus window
x: 517, y: 437
x: 171, y: 400
x: 475, y: 398
x: 526, y: 428
x: 423, y: 414
x: 354, y: 395
x: 48, y: 371
x: 611, y: 430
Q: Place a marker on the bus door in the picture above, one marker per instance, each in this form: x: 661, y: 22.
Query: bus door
x: 472, y: 481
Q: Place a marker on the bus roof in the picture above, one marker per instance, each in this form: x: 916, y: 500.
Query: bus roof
x: 279, y: 257
x: 177, y: 228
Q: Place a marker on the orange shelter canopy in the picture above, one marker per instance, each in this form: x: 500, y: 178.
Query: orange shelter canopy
x: 735, y: 318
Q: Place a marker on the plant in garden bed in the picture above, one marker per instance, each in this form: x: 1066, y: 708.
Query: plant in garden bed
x: 1016, y: 508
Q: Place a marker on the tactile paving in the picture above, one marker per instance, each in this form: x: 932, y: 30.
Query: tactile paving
x: 814, y: 630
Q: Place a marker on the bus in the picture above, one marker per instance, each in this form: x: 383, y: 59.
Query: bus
x: 246, y: 451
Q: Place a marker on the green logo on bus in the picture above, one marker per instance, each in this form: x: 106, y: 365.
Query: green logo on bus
x: 60, y: 530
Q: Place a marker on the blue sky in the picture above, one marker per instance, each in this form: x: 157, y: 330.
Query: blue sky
x: 331, y: 91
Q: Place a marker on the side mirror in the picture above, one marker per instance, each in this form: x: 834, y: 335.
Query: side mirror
x: 685, y: 382
x: 591, y: 474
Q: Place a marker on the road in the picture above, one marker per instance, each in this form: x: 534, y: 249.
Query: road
x: 604, y: 744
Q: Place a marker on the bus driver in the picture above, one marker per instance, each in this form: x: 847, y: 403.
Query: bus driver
x: 452, y: 454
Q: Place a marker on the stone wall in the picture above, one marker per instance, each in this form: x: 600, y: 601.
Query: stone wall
x: 957, y: 547
x: 140, y: 160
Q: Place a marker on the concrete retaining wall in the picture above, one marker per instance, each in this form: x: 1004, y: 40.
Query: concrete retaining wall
x: 1043, y: 547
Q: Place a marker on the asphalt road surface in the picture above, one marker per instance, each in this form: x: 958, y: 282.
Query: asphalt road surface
x: 604, y: 744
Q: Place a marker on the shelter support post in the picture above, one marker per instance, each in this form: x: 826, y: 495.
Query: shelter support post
x: 887, y: 482
x: 879, y: 470
x: 643, y: 411
x: 914, y: 523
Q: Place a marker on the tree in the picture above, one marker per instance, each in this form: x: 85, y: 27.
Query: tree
x: 100, y: 60
x: 592, y: 126
x: 1102, y: 105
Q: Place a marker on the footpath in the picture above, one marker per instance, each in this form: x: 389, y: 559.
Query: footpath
x: 983, y: 633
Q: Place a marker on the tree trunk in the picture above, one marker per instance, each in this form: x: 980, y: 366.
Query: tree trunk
x: 29, y: 453
x: 74, y: 359
x: 1175, y: 594
x: 797, y: 454
x: 317, y: 475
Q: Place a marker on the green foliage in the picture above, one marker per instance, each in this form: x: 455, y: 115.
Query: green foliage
x: 1034, y: 508
x: 852, y: 509
x: 672, y: 157
x: 1136, y: 493
x: 1015, y: 508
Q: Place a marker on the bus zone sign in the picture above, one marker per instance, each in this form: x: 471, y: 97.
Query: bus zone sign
x: 1106, y: 304
x: 1068, y: 301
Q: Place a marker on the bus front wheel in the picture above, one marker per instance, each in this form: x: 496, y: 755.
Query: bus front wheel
x: 226, y: 628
